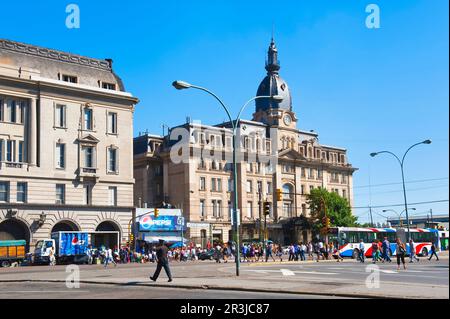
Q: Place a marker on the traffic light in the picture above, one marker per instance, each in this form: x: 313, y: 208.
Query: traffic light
x: 131, y: 238
x: 326, y: 223
x: 156, y: 212
x: 266, y: 208
x: 279, y: 195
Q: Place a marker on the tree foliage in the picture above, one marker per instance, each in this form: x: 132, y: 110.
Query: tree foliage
x: 337, y: 209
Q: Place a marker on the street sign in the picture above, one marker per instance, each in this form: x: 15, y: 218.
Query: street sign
x: 238, y: 213
x: 197, y: 225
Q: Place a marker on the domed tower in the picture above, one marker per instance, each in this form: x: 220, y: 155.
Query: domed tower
x: 267, y: 110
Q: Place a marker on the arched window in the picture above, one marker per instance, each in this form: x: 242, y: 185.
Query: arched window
x: 288, y: 191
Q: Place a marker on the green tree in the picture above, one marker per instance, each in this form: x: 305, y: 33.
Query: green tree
x: 337, y: 209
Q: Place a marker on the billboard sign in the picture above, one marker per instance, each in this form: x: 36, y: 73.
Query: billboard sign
x: 149, y: 223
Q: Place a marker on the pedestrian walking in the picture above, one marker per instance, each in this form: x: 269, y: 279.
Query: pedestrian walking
x: 269, y: 248
x: 412, y: 251
x: 375, y: 251
x: 51, y: 256
x: 433, y: 252
x: 401, y: 252
x: 317, y: 251
x: 310, y: 251
x: 302, y: 251
x: 109, y: 258
x: 162, y: 261
x: 385, y: 250
x: 291, y: 252
x: 362, y: 251
x: 279, y: 252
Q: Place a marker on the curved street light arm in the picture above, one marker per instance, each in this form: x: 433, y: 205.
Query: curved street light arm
x: 238, y: 118
x: 218, y: 99
x: 388, y: 152
x: 403, y: 159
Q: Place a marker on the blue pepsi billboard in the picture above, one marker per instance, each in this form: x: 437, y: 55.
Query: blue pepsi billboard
x: 149, y: 223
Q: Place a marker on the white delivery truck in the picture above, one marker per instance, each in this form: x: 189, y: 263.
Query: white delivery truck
x: 70, y: 247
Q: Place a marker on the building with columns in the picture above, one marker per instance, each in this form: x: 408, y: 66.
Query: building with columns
x: 66, y: 131
x: 202, y: 186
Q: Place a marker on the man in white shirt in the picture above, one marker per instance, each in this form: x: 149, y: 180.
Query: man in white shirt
x: 361, y: 250
x: 109, y: 257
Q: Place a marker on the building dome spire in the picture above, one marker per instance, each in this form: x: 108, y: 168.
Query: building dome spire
x: 272, y: 63
x: 273, y: 84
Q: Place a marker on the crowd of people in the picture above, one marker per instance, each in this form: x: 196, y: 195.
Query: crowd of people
x: 255, y: 252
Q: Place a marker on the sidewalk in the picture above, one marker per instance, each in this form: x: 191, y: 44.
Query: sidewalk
x: 222, y: 280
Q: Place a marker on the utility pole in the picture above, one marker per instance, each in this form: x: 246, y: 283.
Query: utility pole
x: 431, y: 216
x: 371, y: 217
x: 261, y: 208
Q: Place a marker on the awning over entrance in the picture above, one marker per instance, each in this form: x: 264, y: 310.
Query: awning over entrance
x: 167, y: 239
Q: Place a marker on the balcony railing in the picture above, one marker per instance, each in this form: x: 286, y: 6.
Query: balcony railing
x: 89, y: 170
x: 11, y: 165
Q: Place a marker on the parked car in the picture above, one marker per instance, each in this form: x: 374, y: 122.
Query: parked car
x: 208, y: 255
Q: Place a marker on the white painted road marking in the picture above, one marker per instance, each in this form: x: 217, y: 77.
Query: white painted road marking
x: 287, y: 272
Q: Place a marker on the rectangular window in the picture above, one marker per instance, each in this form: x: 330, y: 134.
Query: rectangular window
x: 250, y: 209
x: 269, y: 188
x: 60, y: 194
x: 287, y: 209
x: 87, y: 194
x: 213, y: 185
x: 249, y: 187
x: 22, y: 106
x: 260, y: 187
x: 302, y: 189
x: 202, y: 208
x: 21, y: 152
x: 21, y: 192
x: 2, y: 113
x: 4, y: 192
x: 60, y: 115
x: 112, y: 160
x: 11, y: 108
x: 10, y: 151
x: 2, y: 145
x: 230, y: 210
x: 219, y: 184
x: 112, y: 123
x: 60, y: 155
x: 88, y: 119
x: 344, y: 193
x: 69, y: 78
x: 230, y: 185
x: 109, y: 86
x: 202, y: 183
x: 214, y: 206
x: 112, y: 195
x: 88, y: 153
x: 219, y: 208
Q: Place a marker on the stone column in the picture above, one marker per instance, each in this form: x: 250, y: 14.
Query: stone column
x: 32, y: 133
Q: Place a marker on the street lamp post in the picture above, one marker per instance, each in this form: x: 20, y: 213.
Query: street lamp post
x: 399, y: 215
x: 401, y: 162
x: 181, y: 85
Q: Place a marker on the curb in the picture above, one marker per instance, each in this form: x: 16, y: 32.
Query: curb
x: 274, y: 291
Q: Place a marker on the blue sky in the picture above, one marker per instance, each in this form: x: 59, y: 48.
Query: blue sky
x: 362, y: 89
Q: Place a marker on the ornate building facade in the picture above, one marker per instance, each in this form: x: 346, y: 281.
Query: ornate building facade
x: 202, y: 186
x: 66, y: 131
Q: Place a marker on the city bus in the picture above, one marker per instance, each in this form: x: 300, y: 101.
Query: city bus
x: 348, y: 239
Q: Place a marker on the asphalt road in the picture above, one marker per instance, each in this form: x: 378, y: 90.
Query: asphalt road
x: 33, y: 290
